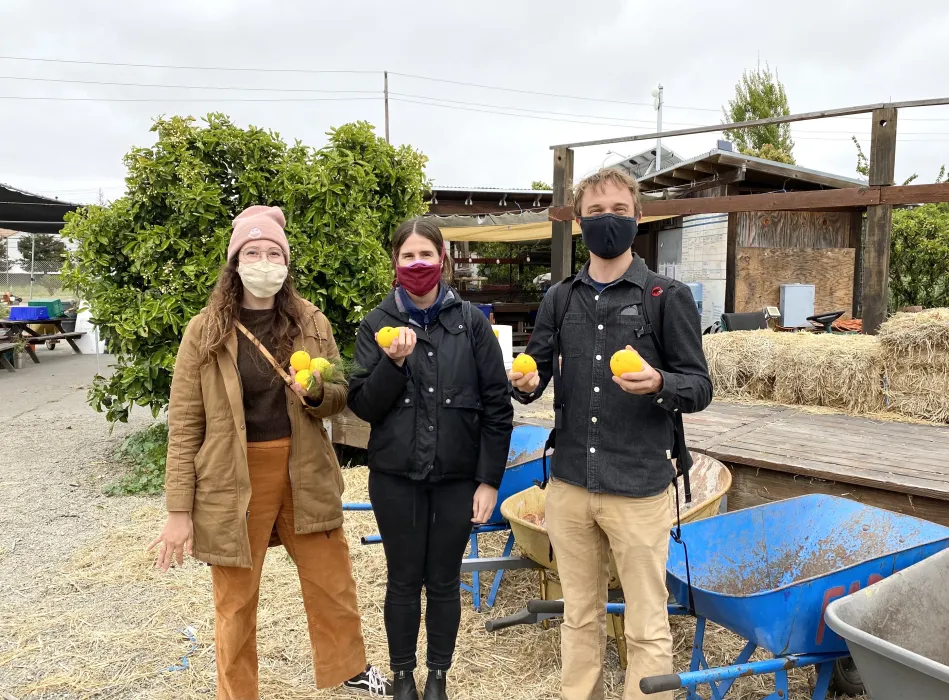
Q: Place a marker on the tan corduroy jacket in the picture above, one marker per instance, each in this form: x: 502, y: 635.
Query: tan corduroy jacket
x: 206, y: 471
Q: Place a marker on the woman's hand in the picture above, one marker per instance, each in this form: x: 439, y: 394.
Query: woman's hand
x: 177, y: 537
x: 316, y: 388
x: 402, y: 346
x: 485, y: 499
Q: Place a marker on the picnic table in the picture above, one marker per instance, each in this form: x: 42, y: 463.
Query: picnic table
x: 21, y: 329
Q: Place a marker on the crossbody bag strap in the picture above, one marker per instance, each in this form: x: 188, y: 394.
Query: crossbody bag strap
x: 265, y: 352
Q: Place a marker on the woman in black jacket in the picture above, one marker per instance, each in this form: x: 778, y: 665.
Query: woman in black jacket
x: 438, y: 402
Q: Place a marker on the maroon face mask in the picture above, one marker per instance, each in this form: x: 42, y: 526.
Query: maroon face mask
x: 420, y: 277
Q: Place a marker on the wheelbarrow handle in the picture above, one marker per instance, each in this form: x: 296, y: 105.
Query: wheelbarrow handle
x: 658, y: 684
x: 522, y: 617
x: 549, y: 607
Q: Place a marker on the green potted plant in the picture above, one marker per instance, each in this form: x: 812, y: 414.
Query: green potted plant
x: 19, y: 352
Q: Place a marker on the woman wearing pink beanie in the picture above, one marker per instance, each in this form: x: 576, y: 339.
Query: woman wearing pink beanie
x: 249, y: 464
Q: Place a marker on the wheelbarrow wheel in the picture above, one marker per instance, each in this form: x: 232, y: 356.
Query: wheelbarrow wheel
x: 50, y: 344
x: 846, y: 678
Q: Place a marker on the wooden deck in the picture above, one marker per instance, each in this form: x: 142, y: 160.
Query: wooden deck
x: 776, y: 452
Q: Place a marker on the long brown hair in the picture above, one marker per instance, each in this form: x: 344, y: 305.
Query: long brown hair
x: 430, y: 232
x: 224, y: 307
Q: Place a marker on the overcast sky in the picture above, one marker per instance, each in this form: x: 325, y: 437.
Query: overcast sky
x: 830, y: 53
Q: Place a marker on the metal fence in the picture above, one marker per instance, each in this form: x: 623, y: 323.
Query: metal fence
x: 42, y: 282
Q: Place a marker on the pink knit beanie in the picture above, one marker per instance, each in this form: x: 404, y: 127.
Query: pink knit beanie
x: 259, y: 223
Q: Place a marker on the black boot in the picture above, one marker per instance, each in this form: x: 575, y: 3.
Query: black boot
x: 403, y: 686
x: 435, y: 686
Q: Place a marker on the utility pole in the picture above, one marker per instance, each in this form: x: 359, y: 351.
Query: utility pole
x: 385, y: 75
x: 657, y: 103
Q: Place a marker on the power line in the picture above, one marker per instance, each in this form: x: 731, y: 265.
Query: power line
x: 188, y: 100
x: 172, y: 67
x: 179, y: 87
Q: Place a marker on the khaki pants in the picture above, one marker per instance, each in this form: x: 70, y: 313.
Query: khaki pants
x: 583, y: 528
x: 329, y: 591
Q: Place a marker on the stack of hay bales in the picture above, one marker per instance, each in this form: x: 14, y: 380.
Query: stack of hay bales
x: 915, y: 349
x: 812, y: 369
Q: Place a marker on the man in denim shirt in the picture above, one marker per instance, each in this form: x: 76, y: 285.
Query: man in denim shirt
x: 612, y: 470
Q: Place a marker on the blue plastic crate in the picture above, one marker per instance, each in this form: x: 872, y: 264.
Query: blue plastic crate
x: 29, y: 313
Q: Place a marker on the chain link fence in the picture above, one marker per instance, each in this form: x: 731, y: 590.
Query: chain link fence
x: 42, y: 282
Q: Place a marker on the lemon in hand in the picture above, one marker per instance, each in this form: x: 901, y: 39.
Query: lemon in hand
x: 300, y: 360
x: 625, y: 362
x: 318, y: 364
x: 524, y: 364
x: 303, y: 378
x: 386, y: 335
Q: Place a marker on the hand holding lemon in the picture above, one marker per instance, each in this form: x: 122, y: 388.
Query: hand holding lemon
x: 396, y: 343
x: 633, y: 374
x: 306, y: 382
x: 523, y: 374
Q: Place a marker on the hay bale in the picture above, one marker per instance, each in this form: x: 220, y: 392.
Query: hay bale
x: 830, y: 370
x: 742, y: 363
x: 915, y: 350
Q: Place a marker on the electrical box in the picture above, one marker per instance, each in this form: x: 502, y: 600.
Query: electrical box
x: 797, y: 303
x: 696, y: 288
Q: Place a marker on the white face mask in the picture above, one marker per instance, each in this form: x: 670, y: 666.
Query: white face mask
x: 263, y: 279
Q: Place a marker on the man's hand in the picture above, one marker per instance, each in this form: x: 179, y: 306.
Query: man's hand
x: 525, y: 383
x: 485, y: 499
x: 643, y: 383
x: 402, y: 346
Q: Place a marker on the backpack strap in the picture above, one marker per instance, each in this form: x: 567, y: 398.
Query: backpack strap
x: 562, y: 295
x: 654, y: 305
x: 469, y: 330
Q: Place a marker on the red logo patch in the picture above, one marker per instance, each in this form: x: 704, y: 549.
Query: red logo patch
x: 656, y: 291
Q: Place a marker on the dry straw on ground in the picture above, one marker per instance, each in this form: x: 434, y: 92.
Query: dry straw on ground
x: 108, y: 626
x: 915, y: 350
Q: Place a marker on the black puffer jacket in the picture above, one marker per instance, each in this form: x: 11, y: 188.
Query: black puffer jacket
x: 447, y: 413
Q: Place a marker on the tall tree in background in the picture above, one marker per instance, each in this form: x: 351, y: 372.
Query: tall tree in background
x: 48, y: 248
x: 540, y: 185
x: 760, y: 95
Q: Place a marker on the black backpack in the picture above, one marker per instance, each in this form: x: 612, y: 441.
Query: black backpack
x: 653, y: 308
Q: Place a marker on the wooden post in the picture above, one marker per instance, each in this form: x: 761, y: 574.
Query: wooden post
x: 856, y: 242
x: 876, y: 253
x: 561, y: 244
x: 731, y: 253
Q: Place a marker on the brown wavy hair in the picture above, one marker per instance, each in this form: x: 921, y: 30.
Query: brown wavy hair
x: 430, y: 232
x: 224, y: 306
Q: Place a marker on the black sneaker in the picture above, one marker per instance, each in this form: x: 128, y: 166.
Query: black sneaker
x: 370, y: 682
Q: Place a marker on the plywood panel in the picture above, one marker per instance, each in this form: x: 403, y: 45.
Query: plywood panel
x: 793, y: 229
x: 761, y: 271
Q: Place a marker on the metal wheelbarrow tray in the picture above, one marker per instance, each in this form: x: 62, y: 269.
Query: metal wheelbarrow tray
x: 768, y: 573
x: 898, y: 632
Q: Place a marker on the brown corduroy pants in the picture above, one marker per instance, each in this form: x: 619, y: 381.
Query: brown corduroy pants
x: 329, y: 591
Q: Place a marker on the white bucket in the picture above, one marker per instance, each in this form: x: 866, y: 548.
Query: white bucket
x: 87, y: 343
x: 503, y: 334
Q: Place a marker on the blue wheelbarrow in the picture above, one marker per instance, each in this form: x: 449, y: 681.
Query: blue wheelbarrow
x: 768, y: 574
x: 524, y: 469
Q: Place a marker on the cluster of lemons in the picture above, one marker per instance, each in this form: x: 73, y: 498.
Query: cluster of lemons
x: 306, y: 367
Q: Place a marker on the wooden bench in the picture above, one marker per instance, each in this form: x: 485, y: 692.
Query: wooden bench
x: 53, y: 337
x: 4, y: 362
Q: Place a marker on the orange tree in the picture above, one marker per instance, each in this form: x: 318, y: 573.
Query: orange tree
x: 145, y: 264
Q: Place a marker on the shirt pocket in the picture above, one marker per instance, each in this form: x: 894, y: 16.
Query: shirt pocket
x: 575, y: 335
x: 634, y: 332
x: 460, y: 418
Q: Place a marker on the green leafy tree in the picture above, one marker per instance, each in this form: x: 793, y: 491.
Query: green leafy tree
x: 760, y: 95
x: 48, y: 248
x: 540, y: 185
x: 145, y: 264
x: 919, y: 257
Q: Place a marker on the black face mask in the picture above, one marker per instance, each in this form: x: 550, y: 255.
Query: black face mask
x: 607, y: 235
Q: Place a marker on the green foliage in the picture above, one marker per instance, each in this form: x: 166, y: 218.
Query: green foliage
x: 540, y: 185
x: 143, y: 453
x: 919, y: 257
x: 760, y: 95
x: 48, y: 248
x: 863, y: 164
x: 146, y: 264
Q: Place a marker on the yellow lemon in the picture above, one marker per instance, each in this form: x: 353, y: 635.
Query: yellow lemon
x: 303, y: 378
x: 524, y: 364
x: 497, y: 333
x: 300, y: 360
x: 625, y: 361
x: 386, y: 336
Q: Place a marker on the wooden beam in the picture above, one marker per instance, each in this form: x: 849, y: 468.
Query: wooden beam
x: 778, y: 170
x: 817, y: 199
x: 875, y: 273
x: 561, y: 245
x: 666, y: 181
x: 856, y: 242
x: 731, y: 262
x: 791, y: 118
x: 849, y: 199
